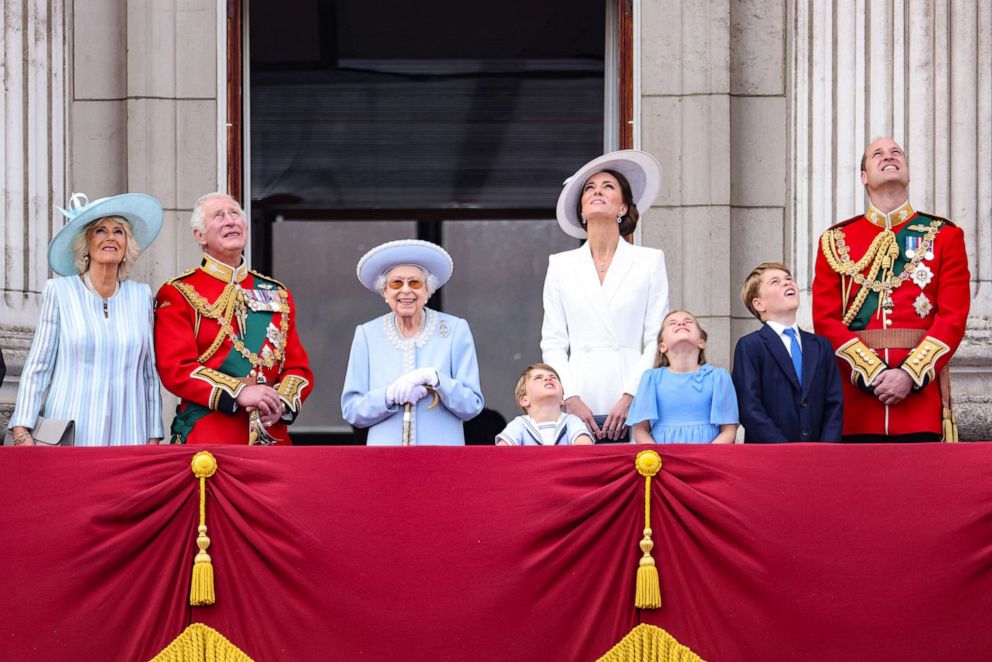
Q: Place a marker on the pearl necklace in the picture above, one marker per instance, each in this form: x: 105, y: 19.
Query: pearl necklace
x: 89, y: 286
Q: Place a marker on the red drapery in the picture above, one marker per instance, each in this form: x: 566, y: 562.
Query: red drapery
x: 793, y: 552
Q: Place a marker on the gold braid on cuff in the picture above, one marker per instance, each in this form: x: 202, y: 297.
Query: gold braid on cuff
x: 921, y: 362
x: 290, y: 390
x: 865, y: 363
x: 219, y: 383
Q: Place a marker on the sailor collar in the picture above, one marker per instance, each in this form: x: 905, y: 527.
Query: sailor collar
x: 224, y: 272
x: 897, y: 216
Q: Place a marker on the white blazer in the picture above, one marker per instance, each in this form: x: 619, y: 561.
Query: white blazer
x: 601, y: 338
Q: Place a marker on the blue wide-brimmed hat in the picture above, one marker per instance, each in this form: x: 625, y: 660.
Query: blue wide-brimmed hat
x: 142, y: 212
x: 642, y: 171
x: 414, y: 252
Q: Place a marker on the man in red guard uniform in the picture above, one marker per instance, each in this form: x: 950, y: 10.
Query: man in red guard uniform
x: 226, y: 342
x: 891, y: 294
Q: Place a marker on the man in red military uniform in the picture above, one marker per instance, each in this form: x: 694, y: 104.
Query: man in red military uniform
x: 891, y: 294
x: 226, y: 342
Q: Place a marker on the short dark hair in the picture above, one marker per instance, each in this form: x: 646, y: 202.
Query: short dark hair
x: 629, y: 222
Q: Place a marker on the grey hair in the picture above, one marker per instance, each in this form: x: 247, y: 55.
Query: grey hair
x: 197, y: 220
x: 80, y: 247
x: 429, y: 279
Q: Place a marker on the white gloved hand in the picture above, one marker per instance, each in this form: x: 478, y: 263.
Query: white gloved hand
x: 409, y: 387
x: 425, y: 376
x: 417, y: 393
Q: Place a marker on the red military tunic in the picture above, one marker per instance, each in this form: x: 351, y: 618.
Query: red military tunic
x: 894, y: 298
x: 218, y: 329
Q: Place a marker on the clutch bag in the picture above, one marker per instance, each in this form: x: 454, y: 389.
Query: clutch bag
x: 49, y: 432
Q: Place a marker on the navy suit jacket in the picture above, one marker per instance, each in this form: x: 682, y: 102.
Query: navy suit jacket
x: 773, y: 407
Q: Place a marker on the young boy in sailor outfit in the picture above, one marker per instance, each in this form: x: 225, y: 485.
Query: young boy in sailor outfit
x: 539, y: 394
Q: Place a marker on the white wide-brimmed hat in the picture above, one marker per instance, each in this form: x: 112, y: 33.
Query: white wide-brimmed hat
x: 142, y: 212
x: 640, y: 168
x: 384, y: 257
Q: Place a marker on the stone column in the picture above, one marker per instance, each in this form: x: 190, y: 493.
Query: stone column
x: 921, y: 71
x: 686, y: 124
x: 32, y: 178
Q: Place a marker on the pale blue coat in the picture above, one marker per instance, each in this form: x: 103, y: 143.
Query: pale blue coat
x: 379, y: 355
x: 98, y: 371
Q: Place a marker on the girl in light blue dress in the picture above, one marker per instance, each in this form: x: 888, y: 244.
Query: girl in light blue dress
x: 683, y: 400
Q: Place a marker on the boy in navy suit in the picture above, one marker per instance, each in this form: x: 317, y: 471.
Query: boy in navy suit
x: 787, y: 382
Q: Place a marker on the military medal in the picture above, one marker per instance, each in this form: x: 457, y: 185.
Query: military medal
x: 922, y: 275
x: 887, y: 304
x: 922, y: 305
x: 912, y: 245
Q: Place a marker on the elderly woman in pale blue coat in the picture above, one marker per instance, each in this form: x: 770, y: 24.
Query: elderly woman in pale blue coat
x: 412, y: 355
x: 92, y: 359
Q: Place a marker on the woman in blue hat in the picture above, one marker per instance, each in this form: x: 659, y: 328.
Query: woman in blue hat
x: 413, y: 361
x: 92, y: 359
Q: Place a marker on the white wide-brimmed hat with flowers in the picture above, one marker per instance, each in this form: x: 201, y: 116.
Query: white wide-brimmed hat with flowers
x: 640, y: 168
x: 142, y: 212
x: 384, y: 257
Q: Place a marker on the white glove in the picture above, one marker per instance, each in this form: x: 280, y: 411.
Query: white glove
x: 425, y: 376
x: 409, y: 388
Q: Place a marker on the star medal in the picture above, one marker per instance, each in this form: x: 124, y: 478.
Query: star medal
x: 922, y: 305
x: 922, y: 275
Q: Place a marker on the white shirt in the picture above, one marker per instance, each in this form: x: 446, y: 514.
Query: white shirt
x: 779, y: 330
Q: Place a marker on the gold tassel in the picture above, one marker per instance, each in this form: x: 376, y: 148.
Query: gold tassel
x: 648, y: 593
x: 950, y: 427
x: 201, y: 592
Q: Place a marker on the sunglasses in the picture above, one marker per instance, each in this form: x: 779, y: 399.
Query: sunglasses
x: 413, y: 283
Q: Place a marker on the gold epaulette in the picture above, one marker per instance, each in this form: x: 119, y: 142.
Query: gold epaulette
x: 865, y: 363
x: 290, y: 390
x: 922, y: 360
x: 847, y: 222
x: 188, y: 272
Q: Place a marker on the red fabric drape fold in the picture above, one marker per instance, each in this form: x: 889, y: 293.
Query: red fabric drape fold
x: 798, y: 552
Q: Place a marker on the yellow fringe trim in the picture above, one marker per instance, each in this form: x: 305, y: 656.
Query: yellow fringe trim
x: 649, y: 643
x: 201, y: 592
x: 200, y: 643
x: 648, y: 592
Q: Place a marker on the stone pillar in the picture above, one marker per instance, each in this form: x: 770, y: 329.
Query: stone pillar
x: 921, y: 71
x: 101, y: 97
x: 686, y: 123
x: 32, y: 178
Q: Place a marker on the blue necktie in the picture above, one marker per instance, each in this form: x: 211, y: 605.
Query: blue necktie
x: 797, y: 353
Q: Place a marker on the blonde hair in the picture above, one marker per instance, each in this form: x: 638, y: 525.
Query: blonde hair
x: 752, y: 284
x: 661, y: 360
x: 80, y: 247
x: 521, y: 389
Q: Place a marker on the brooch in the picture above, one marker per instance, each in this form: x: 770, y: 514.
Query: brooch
x: 922, y: 275
x: 922, y: 305
x: 442, y: 330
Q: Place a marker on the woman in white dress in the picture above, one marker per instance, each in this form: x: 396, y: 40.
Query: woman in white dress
x: 604, y: 301
x: 92, y: 359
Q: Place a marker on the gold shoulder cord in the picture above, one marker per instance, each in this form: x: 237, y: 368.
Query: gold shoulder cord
x: 881, y: 254
x: 222, y: 311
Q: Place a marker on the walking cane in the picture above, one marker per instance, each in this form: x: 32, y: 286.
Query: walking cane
x: 408, y: 415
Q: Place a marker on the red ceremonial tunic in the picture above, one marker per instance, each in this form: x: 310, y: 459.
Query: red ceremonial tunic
x: 201, y: 318
x: 927, y: 303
